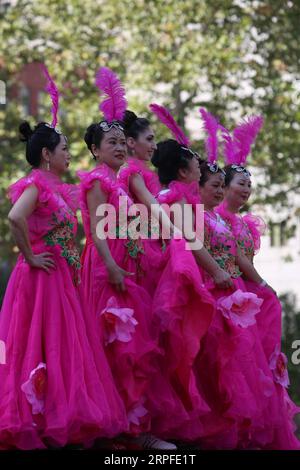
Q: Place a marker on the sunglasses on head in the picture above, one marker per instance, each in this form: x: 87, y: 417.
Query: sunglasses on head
x: 241, y: 169
x: 54, y: 128
x: 194, y: 154
x: 107, y: 126
x: 214, y: 168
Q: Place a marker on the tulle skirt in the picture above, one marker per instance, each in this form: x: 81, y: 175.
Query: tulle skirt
x: 249, y: 409
x: 55, y: 388
x: 124, y: 325
x: 183, y: 310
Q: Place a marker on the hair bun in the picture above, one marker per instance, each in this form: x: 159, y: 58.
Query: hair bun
x: 129, y: 118
x: 166, y: 151
x: 156, y: 157
x: 25, y: 131
x: 89, y: 135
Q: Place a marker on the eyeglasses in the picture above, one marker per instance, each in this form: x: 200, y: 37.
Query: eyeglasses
x: 214, y: 168
x: 107, y: 126
x: 241, y: 169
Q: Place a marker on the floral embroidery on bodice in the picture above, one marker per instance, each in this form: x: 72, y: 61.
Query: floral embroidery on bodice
x: 247, y: 229
x: 220, y: 243
x: 53, y: 222
x: 245, y: 240
x: 63, y: 235
x: 114, y: 189
x: 135, y: 166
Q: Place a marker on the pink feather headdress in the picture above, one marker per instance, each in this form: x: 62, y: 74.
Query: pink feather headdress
x: 114, y: 105
x: 54, y: 95
x: 167, y: 119
x: 238, y: 146
x: 211, y: 126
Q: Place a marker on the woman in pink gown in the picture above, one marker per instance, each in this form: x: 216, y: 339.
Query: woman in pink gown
x: 232, y: 372
x: 247, y: 230
x: 119, y: 307
x: 143, y: 185
x: 245, y: 386
x: 55, y: 389
x: 170, y: 270
x: 182, y: 303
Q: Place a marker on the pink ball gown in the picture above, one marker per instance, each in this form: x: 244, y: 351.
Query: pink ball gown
x: 154, y: 260
x: 124, y: 319
x: 247, y: 230
x: 240, y: 383
x: 171, y: 275
x: 55, y: 389
x: 183, y: 310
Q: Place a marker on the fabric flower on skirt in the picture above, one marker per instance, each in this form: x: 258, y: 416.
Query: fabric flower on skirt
x: 278, y: 365
x: 119, y: 322
x: 35, y: 387
x: 240, y: 307
x: 136, y: 413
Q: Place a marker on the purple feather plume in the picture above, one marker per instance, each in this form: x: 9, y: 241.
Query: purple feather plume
x: 114, y: 105
x: 244, y: 135
x: 167, y: 119
x: 54, y: 95
x: 211, y: 127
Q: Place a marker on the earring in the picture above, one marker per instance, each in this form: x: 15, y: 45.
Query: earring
x: 48, y: 166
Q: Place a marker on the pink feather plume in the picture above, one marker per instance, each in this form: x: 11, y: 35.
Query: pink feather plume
x: 230, y: 146
x: 167, y: 119
x: 114, y: 105
x: 54, y: 95
x: 244, y: 136
x: 211, y: 127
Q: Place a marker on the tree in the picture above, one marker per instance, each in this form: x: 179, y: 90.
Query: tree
x: 224, y: 55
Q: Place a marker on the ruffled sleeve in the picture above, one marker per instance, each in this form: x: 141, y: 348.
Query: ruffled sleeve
x: 71, y: 194
x: 110, y: 186
x: 178, y: 191
x: 45, y: 193
x: 87, y: 179
x: 130, y: 168
x: 257, y: 228
x: 135, y: 167
x: 152, y: 182
x: 170, y: 195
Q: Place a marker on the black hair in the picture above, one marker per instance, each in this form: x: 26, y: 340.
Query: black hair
x: 168, y: 158
x: 206, y: 172
x: 93, y: 135
x: 36, y: 139
x: 134, y: 125
x: 230, y: 174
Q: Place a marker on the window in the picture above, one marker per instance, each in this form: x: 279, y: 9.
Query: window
x: 2, y: 93
x: 25, y: 99
x: 278, y: 234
